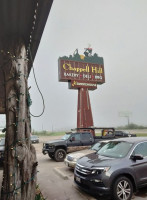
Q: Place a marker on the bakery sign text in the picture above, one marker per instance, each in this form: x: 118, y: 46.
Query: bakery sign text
x: 73, y: 70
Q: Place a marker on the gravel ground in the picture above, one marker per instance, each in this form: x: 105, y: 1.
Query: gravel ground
x: 56, y: 180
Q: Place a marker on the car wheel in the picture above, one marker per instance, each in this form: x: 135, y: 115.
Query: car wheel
x: 122, y: 189
x: 60, y: 155
x: 51, y: 155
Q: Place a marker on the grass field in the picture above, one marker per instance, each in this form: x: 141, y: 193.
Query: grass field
x: 46, y: 133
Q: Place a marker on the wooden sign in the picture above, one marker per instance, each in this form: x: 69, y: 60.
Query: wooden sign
x: 72, y: 70
x: 80, y: 71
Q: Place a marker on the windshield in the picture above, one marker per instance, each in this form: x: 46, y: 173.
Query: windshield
x: 66, y: 136
x: 34, y: 136
x: 115, y: 149
x: 98, y: 146
x: 2, y: 142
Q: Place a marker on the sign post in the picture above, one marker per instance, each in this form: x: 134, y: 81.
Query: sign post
x: 126, y: 114
x: 83, y: 73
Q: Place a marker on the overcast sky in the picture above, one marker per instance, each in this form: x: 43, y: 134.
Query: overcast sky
x: 117, y: 31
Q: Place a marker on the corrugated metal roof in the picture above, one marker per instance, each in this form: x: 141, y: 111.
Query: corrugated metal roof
x: 21, y: 19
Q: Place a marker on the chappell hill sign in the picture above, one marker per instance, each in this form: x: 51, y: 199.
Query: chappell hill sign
x: 82, y: 71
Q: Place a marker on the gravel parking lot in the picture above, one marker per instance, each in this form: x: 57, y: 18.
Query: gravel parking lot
x: 56, y: 180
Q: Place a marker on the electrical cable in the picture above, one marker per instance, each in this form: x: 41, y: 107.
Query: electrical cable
x: 37, y: 87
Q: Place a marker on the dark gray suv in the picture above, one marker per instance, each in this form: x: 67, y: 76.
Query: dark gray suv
x: 119, y: 168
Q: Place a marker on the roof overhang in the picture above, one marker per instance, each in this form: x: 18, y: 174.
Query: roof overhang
x: 25, y: 20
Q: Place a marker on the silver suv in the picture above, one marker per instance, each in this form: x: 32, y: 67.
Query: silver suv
x: 119, y: 168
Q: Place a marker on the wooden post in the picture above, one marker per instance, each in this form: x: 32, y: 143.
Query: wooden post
x: 20, y: 163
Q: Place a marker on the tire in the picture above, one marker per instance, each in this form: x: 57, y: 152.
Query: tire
x: 122, y: 189
x: 60, y: 155
x: 51, y: 155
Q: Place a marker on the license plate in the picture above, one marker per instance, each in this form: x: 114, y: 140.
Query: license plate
x: 78, y: 179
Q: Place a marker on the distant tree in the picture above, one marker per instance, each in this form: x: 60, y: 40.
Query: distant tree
x: 132, y: 126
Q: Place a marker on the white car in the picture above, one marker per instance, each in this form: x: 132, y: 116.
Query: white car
x: 71, y: 159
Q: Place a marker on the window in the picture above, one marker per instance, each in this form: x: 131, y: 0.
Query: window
x: 77, y: 136
x: 141, y: 149
x: 66, y: 136
x: 86, y: 136
x: 2, y: 142
x: 118, y: 133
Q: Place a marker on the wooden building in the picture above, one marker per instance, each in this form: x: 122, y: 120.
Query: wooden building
x: 21, y: 26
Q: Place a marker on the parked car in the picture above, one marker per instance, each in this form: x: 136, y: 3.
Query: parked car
x: 70, y: 142
x: 2, y: 149
x: 34, y: 139
x: 71, y: 159
x: 123, y: 134
x: 119, y: 168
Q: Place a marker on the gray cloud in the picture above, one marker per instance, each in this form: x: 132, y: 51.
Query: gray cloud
x: 117, y: 31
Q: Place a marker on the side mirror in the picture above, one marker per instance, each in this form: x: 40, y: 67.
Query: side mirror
x: 137, y: 157
x: 72, y: 139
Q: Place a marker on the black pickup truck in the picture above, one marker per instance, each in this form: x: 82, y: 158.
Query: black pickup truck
x: 71, y: 142
x: 123, y: 134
